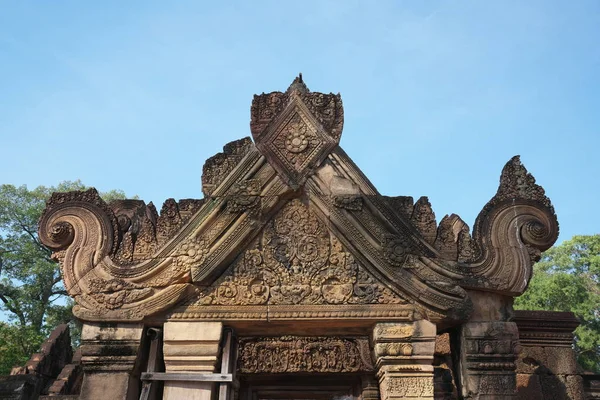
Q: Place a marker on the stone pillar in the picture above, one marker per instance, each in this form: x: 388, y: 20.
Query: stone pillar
x: 109, y: 356
x: 488, y: 349
x: 404, y: 357
x: 191, y: 347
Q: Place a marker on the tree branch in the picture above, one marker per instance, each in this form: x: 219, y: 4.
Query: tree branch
x: 9, y: 304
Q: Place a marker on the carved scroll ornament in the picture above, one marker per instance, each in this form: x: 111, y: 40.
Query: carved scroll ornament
x: 84, y: 233
x: 510, y: 233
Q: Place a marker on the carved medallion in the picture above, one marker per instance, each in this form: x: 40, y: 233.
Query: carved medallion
x: 296, y: 130
x: 244, y: 196
x: 396, y: 249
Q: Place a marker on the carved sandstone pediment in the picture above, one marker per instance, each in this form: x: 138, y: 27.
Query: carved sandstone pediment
x: 291, y: 228
x: 296, y: 260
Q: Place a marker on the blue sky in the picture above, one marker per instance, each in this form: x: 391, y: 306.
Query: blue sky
x: 438, y: 95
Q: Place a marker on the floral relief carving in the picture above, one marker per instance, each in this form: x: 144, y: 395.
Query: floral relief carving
x: 408, y: 387
x: 396, y: 250
x: 116, y: 300
x: 296, y: 261
x: 304, y: 354
x: 244, y: 196
x: 192, y: 251
x: 296, y: 142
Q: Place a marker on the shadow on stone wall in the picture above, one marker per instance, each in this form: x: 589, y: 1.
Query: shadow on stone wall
x: 546, y: 367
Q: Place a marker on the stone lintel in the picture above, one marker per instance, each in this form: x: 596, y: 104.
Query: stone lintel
x: 546, y: 328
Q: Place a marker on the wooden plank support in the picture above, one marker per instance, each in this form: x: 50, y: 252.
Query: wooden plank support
x: 155, y: 336
x: 228, y: 359
x: 186, y: 376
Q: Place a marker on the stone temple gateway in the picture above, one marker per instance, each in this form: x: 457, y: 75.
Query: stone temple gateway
x: 293, y: 278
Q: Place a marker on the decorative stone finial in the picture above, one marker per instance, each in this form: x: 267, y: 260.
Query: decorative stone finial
x: 298, y: 85
x: 296, y: 130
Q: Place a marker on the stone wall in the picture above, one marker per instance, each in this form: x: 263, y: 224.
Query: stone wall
x: 54, y: 370
x: 546, y: 367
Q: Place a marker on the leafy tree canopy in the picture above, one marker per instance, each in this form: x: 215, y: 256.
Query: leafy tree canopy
x: 32, y: 297
x: 567, y: 278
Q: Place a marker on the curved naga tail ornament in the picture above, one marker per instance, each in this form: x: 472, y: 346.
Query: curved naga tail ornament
x: 84, y: 233
x: 510, y: 233
x: 80, y: 228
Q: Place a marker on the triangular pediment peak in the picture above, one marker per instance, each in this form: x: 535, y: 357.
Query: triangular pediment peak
x: 298, y: 85
x: 296, y: 130
x: 296, y: 260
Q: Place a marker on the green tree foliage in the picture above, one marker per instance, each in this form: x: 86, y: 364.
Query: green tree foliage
x: 32, y: 296
x: 567, y: 278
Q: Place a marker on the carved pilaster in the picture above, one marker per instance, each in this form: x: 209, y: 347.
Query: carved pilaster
x: 190, y: 347
x: 404, y: 356
x: 109, y: 355
x: 487, y: 358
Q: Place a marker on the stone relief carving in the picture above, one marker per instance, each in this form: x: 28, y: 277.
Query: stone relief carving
x: 142, y: 230
x: 244, y: 196
x: 297, y: 261
x: 217, y: 167
x: 304, y: 354
x: 348, y: 202
x: 327, y: 108
x: 408, y: 387
x: 423, y: 219
x: 252, y: 241
x: 396, y: 249
x: 296, y: 130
